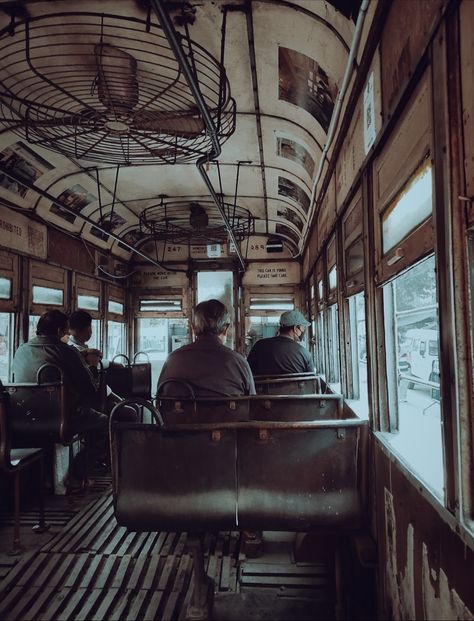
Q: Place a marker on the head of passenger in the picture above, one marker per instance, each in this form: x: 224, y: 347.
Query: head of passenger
x: 293, y: 325
x: 80, y: 326
x: 52, y: 323
x: 211, y: 318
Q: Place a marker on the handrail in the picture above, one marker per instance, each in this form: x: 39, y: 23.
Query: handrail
x: 321, y: 396
x: 312, y: 424
x: 415, y: 380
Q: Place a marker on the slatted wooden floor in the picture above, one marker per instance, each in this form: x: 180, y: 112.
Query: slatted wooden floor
x: 94, y: 569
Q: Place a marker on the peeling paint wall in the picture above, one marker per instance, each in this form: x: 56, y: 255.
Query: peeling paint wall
x: 425, y: 570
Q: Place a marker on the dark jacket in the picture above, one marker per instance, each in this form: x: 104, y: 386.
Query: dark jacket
x: 40, y: 350
x: 211, y: 368
x: 279, y: 355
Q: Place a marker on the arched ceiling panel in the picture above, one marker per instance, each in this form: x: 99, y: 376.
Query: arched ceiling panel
x: 300, y: 50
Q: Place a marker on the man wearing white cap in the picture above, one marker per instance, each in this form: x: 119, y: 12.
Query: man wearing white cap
x: 282, y: 354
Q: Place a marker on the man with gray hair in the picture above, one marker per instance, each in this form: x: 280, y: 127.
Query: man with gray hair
x: 211, y: 368
x: 283, y: 354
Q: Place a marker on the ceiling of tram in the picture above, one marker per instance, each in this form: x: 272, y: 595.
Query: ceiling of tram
x: 107, y: 148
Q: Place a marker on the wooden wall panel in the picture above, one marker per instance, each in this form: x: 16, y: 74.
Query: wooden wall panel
x: 405, y: 36
x: 69, y: 252
x: 467, y: 73
x: 425, y: 568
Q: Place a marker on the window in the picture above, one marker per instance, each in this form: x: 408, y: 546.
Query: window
x: 333, y: 349
x: 115, y: 307
x: 260, y: 328
x: 5, y: 288
x: 161, y: 305
x: 48, y: 295
x: 411, y: 329
x: 6, y: 344
x: 218, y: 286
x: 158, y: 337
x: 96, y: 338
x: 401, y: 218
x: 88, y: 302
x: 269, y: 302
x: 116, y: 335
x: 32, y: 322
x: 358, y: 353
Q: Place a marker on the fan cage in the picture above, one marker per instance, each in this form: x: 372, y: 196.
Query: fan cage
x: 50, y: 94
x: 170, y: 222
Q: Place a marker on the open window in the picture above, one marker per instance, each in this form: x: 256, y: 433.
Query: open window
x: 406, y: 277
x: 263, y: 308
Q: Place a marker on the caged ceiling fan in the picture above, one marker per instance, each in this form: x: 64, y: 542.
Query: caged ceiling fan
x: 118, y: 95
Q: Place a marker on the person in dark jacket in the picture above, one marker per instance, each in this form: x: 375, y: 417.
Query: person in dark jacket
x: 282, y: 354
x: 211, y: 368
x: 47, y: 348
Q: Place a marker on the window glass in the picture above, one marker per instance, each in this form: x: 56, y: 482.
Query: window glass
x: 355, y: 258
x: 116, y: 343
x: 95, y: 340
x: 358, y: 351
x: 161, y: 305
x: 411, y: 316
x: 333, y: 334
x: 88, y: 302
x: 411, y: 208
x: 158, y: 337
x: 5, y: 288
x: 115, y: 307
x: 32, y: 322
x: 218, y: 286
x: 332, y: 278
x: 320, y: 348
x: 6, y: 345
x: 47, y: 295
x: 272, y: 303
x: 260, y: 328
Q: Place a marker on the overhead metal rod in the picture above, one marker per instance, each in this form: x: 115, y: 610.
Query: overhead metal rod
x: 253, y: 68
x: 53, y: 199
x: 172, y: 37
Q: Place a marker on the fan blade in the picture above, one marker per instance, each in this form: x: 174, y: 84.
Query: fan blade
x: 183, y: 125
x: 117, y: 84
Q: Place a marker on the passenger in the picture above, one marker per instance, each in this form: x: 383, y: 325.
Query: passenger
x: 211, y: 368
x: 282, y: 354
x: 47, y: 348
x: 80, y: 332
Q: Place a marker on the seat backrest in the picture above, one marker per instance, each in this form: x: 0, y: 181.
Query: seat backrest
x: 131, y: 379
x: 5, y: 463
x: 296, y: 407
x: 294, y: 384
x: 173, y: 480
x: 41, y: 413
x: 275, y: 475
x: 200, y: 410
x: 299, y: 478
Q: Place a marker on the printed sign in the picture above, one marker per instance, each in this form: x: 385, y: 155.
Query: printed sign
x: 19, y: 233
x: 151, y: 277
x: 272, y: 274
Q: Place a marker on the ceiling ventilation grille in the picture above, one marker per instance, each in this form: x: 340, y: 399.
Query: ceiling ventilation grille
x: 194, y: 222
x: 108, y: 88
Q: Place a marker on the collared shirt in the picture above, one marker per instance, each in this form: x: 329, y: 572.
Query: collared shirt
x: 40, y: 350
x: 211, y: 369
x: 77, y: 344
x: 279, y: 355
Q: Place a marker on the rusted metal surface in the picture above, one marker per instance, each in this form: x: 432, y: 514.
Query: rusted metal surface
x: 426, y: 568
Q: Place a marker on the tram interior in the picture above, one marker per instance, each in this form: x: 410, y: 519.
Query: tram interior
x: 275, y: 155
